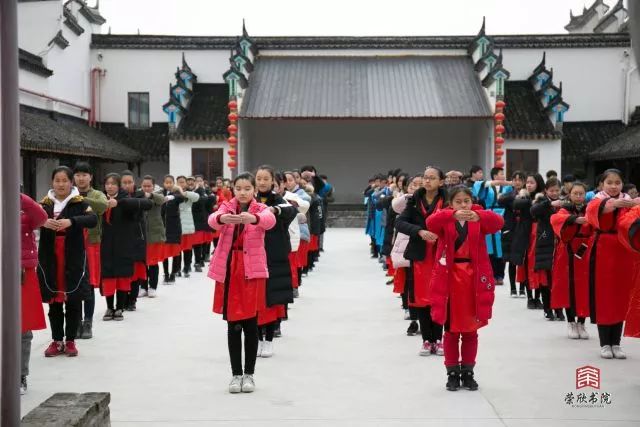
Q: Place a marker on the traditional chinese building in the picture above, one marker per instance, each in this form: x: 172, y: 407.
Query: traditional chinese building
x: 349, y: 105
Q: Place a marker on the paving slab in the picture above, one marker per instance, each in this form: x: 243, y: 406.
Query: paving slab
x: 343, y: 360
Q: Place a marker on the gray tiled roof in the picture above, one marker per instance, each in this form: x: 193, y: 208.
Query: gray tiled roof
x: 344, y: 87
x: 47, y: 132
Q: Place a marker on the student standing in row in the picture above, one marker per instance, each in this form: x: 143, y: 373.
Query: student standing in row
x: 611, y: 264
x: 97, y: 201
x: 32, y: 217
x: 63, y: 261
x: 173, y: 197
x: 421, y: 251
x: 155, y: 238
x: 239, y: 269
x: 511, y: 219
x: 188, y: 228
x: 279, y: 291
x: 571, y: 262
x: 462, y: 283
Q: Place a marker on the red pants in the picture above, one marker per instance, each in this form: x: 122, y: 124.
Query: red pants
x: 453, y: 349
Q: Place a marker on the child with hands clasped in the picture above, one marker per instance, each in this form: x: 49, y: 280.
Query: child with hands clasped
x: 462, y: 284
x: 239, y: 268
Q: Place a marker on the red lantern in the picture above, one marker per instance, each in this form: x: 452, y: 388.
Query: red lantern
x: 499, y: 140
x: 499, y: 152
x: 233, y: 129
x: 233, y: 117
x: 232, y: 140
x: 232, y: 105
x: 500, y: 104
x: 232, y: 152
x: 232, y: 164
x: 499, y: 164
x: 499, y: 117
x: 499, y: 129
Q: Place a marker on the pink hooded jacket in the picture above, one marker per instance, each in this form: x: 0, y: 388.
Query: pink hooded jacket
x: 255, y: 256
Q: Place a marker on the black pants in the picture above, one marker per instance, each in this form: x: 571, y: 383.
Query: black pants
x: 267, y: 331
x: 413, y: 313
x: 120, y: 298
x: 188, y: 256
x: 374, y: 247
x: 545, y: 291
x: 153, y: 271
x: 206, y: 251
x: 132, y: 296
x: 512, y: 277
x: 69, y: 312
x: 571, y: 316
x: 610, y: 334
x: 89, y: 305
x: 405, y: 302
x: 430, y: 330
x: 497, y: 264
x: 532, y: 294
x: 198, y: 252
x: 175, y: 265
x: 234, y: 338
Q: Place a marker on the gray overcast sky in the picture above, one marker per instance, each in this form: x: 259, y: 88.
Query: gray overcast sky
x: 338, y: 17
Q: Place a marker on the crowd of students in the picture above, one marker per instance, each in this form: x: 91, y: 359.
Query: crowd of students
x: 260, y: 236
x: 446, y: 242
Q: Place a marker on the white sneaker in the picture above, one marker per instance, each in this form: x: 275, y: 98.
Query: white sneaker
x: 267, y: 349
x: 439, y: 348
x: 606, y: 352
x: 151, y: 293
x: 425, y: 350
x: 248, y: 384
x: 259, y: 348
x: 582, y: 332
x: 143, y: 293
x: 407, y: 316
x: 617, y: 352
x: 235, y: 386
x: 573, y: 331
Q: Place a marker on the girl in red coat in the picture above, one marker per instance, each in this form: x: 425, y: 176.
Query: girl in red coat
x: 611, y: 264
x: 571, y: 262
x: 462, y: 284
x: 628, y: 233
x: 421, y: 251
x: 239, y: 268
x: 32, y: 217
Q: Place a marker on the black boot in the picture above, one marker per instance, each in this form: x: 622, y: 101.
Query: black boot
x: 559, y: 314
x: 467, y: 378
x: 531, y: 304
x: 453, y: 378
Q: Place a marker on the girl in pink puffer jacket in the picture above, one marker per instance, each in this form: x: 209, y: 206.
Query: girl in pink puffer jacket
x: 239, y: 268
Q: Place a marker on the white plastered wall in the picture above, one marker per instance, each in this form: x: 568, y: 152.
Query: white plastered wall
x: 549, y: 152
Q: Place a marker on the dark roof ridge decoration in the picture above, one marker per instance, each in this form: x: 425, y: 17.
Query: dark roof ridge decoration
x: 71, y: 21
x: 497, y: 71
x: 578, y: 21
x: 519, y: 41
x: 173, y: 100
x: 548, y: 84
x: 185, y: 66
x: 484, y: 59
x: 609, y: 16
x: 235, y: 71
x: 246, y: 62
x: 248, y: 41
x: 52, y: 132
x: 555, y: 102
x: 185, y: 73
x: 181, y: 85
x: 33, y: 63
x: 59, y: 40
x: 540, y: 70
x: 525, y: 115
x: 473, y: 45
x: 92, y: 14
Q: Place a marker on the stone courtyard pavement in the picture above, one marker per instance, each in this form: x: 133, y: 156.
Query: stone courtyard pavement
x: 344, y: 360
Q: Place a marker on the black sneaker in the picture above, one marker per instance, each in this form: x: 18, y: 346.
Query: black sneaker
x: 108, y: 315
x: 453, y: 378
x: 539, y: 305
x: 131, y: 306
x: 413, y: 328
x: 80, y: 330
x: 185, y: 274
x: 198, y: 268
x: 531, y: 304
x: 466, y: 378
x: 166, y: 279
x: 514, y: 293
x: 172, y: 278
x: 177, y: 274
x: 277, y: 333
x: 117, y: 315
x: 560, y: 315
x: 548, y: 314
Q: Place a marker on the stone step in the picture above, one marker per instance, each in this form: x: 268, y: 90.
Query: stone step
x: 346, y: 218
